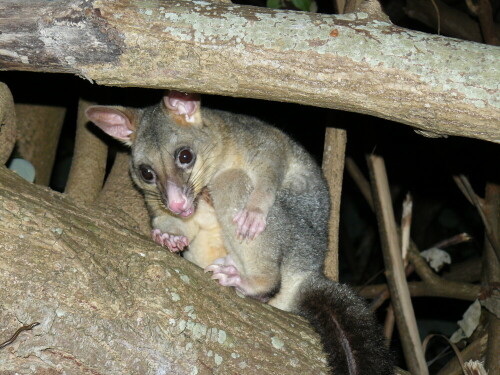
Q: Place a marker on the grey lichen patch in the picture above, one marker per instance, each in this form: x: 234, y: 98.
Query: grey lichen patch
x: 277, y: 342
x: 183, y: 277
x: 57, y: 231
x: 199, y: 330
x: 222, y: 337
x: 190, y: 311
x: 294, y: 362
x: 431, y: 60
x: 63, y: 40
x: 175, y: 297
x: 217, y: 359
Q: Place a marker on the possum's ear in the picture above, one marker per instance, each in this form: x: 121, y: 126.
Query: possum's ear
x: 118, y: 122
x: 183, y: 108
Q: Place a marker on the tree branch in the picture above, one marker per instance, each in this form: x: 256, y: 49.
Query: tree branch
x: 109, y: 301
x: 88, y: 166
x: 38, y: 130
x: 7, y: 123
x: 401, y: 301
x: 365, y: 65
x: 333, y: 168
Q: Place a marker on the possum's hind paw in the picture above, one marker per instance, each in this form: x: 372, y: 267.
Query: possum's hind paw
x: 250, y: 223
x: 225, y: 272
x: 172, y: 242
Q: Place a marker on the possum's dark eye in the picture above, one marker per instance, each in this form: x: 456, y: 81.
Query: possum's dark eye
x: 147, y: 173
x: 185, y: 157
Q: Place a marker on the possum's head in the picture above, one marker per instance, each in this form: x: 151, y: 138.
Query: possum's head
x: 170, y: 148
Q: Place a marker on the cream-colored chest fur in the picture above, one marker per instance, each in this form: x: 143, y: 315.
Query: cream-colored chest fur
x: 205, y: 236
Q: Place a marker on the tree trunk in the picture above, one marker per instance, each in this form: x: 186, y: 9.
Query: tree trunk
x: 110, y: 301
x: 350, y: 62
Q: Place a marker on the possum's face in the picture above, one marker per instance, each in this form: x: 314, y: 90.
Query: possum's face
x: 170, y: 149
x: 168, y: 161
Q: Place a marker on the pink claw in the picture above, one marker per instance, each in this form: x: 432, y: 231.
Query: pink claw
x: 225, y: 272
x: 172, y: 242
x: 250, y: 223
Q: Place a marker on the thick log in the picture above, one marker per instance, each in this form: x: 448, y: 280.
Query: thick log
x: 7, y: 123
x: 349, y: 62
x: 110, y: 301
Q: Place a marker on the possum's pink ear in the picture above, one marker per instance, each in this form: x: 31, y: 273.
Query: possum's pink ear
x: 118, y: 122
x: 183, y: 108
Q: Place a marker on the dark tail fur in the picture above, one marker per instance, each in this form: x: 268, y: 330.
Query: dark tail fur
x: 350, y: 335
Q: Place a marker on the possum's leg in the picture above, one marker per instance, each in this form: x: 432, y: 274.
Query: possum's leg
x: 251, y: 219
x: 172, y: 232
x: 252, y: 267
x: 172, y: 242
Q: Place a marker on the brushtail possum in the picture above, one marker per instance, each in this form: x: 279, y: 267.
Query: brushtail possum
x: 267, y: 218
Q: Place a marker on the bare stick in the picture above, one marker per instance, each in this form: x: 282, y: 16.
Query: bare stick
x: 333, y: 168
x: 474, y: 350
x: 492, y: 273
x: 89, y: 160
x: 462, y: 291
x: 405, y: 228
x: 434, y: 282
x: 403, y: 308
x: 466, y: 188
x: 389, y: 324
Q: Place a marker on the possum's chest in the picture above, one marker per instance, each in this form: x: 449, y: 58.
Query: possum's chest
x: 207, y: 245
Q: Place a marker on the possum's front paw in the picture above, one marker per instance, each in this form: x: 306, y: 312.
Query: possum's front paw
x: 172, y: 242
x: 225, y: 272
x: 250, y: 222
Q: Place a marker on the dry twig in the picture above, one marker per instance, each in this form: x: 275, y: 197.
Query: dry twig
x: 395, y: 274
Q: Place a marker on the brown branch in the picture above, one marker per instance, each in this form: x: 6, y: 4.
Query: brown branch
x: 333, y: 168
x: 227, y: 49
x: 459, y: 238
x: 485, y: 16
x: 492, y: 272
x: 389, y: 324
x: 437, y: 285
x: 119, y: 191
x: 7, y: 123
x: 474, y: 350
x: 38, y: 130
x: 112, y: 302
x: 468, y: 271
x: 401, y: 301
x: 88, y: 167
x: 466, y: 292
x: 466, y: 188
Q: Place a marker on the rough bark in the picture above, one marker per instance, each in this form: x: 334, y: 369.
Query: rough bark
x: 492, y: 273
x: 38, y: 130
x: 349, y: 62
x: 120, y: 192
x: 109, y: 301
x: 333, y: 168
x: 88, y: 166
x: 7, y: 123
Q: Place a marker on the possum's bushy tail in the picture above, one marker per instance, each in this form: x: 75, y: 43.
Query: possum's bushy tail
x: 350, y: 335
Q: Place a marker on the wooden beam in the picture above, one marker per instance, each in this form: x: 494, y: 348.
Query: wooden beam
x: 350, y: 62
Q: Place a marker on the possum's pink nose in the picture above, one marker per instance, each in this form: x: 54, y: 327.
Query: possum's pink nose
x: 177, y: 206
